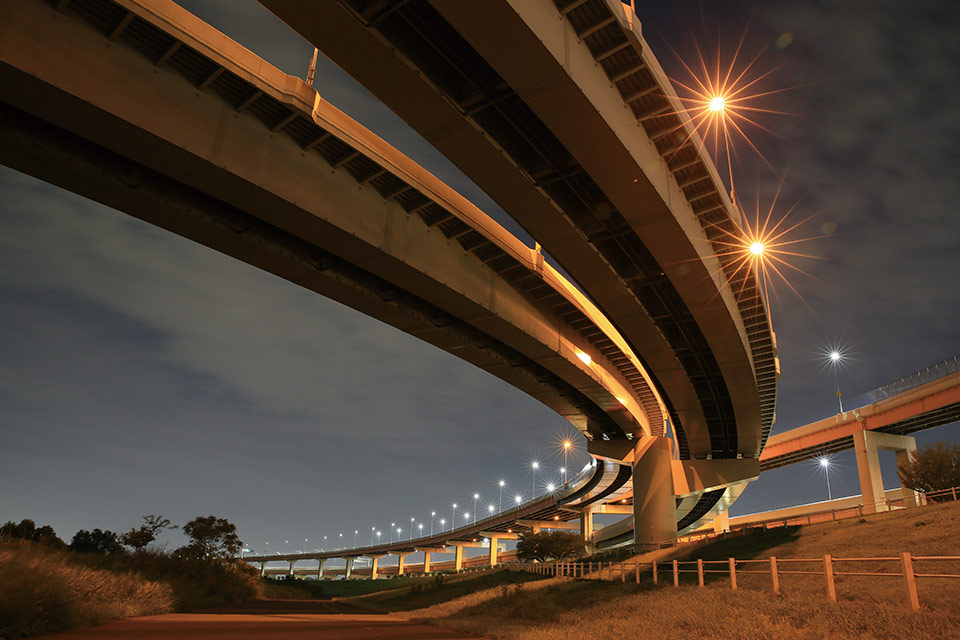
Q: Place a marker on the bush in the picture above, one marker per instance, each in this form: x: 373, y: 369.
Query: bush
x: 95, y: 541
x: 555, y: 545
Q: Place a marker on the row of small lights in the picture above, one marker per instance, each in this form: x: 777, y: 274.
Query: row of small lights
x: 375, y: 534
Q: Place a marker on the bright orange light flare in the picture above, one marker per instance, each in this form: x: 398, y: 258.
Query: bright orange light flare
x: 764, y: 246
x: 723, y: 103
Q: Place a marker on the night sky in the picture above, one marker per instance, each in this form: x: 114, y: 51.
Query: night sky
x: 141, y: 373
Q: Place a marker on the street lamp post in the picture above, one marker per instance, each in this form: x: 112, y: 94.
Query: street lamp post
x: 835, y: 359
x: 566, y: 447
x: 533, y: 484
x: 825, y: 465
x: 501, y: 483
x: 476, y: 497
x: 453, y: 520
x: 432, y: 516
x: 443, y: 521
x: 392, y: 525
x: 411, y: 527
x: 355, y: 532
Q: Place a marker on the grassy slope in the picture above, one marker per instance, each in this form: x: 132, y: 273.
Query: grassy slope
x: 43, y: 590
x: 868, y: 608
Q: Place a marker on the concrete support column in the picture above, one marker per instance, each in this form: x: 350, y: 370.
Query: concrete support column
x: 586, y: 524
x: 349, y: 569
x: 866, y: 444
x: 400, y: 559
x: 320, y: 570
x: 721, y: 524
x: 263, y: 569
x: 910, y: 497
x: 654, y: 503
x: 459, y: 558
x: 374, y: 568
x: 290, y: 571
x: 426, y: 562
x: 494, y: 544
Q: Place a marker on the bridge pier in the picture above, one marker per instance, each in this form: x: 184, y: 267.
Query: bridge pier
x: 426, y: 562
x: 494, y: 544
x: 586, y: 528
x: 290, y: 570
x: 349, y: 568
x: 654, y: 503
x: 320, y: 569
x: 263, y: 569
x: 458, y: 558
x: 375, y: 567
x: 400, y: 561
x: 867, y: 444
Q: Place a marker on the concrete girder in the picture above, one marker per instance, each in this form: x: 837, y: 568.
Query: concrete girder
x: 294, y: 194
x: 563, y: 86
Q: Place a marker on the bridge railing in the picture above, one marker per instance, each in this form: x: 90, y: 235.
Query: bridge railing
x: 906, y: 566
x: 917, y: 378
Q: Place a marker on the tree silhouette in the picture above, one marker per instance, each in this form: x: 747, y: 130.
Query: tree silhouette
x: 95, y: 541
x: 27, y: 529
x: 933, y: 467
x: 147, y: 533
x: 211, y: 538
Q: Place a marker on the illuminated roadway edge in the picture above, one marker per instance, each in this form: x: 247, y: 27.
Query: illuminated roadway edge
x: 289, y: 203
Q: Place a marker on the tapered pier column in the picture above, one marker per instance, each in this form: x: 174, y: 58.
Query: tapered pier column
x: 400, y: 560
x: 458, y: 563
x: 494, y: 543
x: 320, y: 570
x: 426, y: 562
x: 867, y: 444
x: 375, y: 568
x: 349, y: 569
x: 290, y: 571
x: 263, y: 569
x: 654, y: 503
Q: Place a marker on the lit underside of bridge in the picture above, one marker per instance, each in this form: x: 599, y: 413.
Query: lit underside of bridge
x: 141, y: 106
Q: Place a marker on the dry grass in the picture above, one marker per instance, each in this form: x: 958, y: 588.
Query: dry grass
x: 43, y: 590
x: 561, y: 609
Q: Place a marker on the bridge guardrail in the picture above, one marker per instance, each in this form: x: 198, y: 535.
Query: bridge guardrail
x: 917, y: 378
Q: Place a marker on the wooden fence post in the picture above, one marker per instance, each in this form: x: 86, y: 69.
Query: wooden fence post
x: 676, y: 574
x: 774, y: 574
x: 733, y: 574
x: 623, y: 573
x: 654, y: 572
x: 828, y: 571
x: 911, y: 580
x: 636, y: 567
x: 700, y: 570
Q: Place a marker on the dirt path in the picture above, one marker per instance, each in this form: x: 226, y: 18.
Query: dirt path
x: 267, y: 619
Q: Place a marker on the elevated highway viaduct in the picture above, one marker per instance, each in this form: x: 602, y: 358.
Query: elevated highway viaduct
x: 560, y: 112
x: 141, y: 106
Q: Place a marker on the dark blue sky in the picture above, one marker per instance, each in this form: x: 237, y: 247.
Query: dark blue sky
x: 140, y: 373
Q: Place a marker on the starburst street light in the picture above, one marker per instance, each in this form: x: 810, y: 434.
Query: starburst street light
x: 824, y: 462
x: 433, y: 514
x: 566, y: 447
x: 835, y: 360
x: 453, y: 520
x: 518, y: 499
x: 533, y: 483
x: 501, y: 483
x: 724, y: 103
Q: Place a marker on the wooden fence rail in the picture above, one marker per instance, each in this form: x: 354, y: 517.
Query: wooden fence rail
x: 775, y: 567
